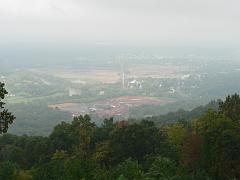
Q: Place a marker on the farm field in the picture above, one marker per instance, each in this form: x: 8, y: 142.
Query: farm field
x: 157, y: 71
x: 83, y: 76
x: 113, y: 76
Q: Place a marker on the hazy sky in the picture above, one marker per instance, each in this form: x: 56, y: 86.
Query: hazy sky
x: 120, y: 21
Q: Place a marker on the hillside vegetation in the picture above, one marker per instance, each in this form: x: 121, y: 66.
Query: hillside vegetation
x: 205, y: 147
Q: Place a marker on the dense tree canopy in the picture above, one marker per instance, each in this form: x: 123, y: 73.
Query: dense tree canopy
x: 207, y: 147
x: 231, y: 107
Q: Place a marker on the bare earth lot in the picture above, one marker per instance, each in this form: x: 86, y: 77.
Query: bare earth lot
x: 110, y: 107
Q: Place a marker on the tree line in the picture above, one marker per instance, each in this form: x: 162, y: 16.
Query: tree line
x: 207, y: 147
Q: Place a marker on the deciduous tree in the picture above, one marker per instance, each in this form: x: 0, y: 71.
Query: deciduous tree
x: 6, y: 118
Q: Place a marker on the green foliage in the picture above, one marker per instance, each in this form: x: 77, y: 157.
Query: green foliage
x: 221, y: 145
x: 136, y: 140
x: 205, y: 148
x: 61, y: 138
x: 80, y: 167
x: 129, y: 169
x: 162, y: 168
x: 6, y: 118
x: 8, y: 171
x: 231, y: 107
x: 24, y: 175
x: 173, y: 115
x: 36, y: 118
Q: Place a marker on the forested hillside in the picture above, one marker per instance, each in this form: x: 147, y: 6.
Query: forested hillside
x: 183, y: 115
x: 203, y: 146
x: 119, y: 90
x: 36, y: 119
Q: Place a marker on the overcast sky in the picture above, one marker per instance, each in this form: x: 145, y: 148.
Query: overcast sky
x: 120, y: 21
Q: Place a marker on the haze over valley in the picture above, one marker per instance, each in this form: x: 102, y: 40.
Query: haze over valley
x: 121, y: 83
x: 119, y: 90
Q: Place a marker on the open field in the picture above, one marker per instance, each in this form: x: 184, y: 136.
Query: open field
x: 20, y: 99
x: 83, y: 76
x: 112, y: 76
x: 114, y: 107
x: 157, y: 71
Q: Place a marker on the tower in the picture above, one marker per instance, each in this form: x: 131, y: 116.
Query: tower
x: 123, y: 74
x: 123, y: 79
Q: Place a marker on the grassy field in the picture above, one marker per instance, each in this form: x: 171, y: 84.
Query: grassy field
x: 20, y: 99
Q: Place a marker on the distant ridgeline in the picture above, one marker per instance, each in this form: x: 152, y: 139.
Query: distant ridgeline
x: 181, y: 114
x: 37, y: 119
